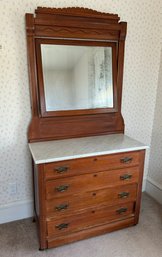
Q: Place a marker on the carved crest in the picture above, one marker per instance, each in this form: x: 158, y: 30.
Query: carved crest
x: 79, y: 12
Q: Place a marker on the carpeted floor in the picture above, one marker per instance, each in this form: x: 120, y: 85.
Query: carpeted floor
x: 19, y: 239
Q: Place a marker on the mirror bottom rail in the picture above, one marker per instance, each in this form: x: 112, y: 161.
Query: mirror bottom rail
x: 51, y: 128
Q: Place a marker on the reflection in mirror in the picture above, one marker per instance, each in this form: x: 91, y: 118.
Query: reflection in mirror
x: 77, y: 77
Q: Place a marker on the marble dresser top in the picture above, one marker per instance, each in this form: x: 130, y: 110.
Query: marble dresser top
x: 58, y: 150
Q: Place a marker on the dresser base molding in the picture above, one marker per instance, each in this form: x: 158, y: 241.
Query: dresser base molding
x: 91, y: 232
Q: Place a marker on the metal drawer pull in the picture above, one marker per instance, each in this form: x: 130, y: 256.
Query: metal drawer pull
x: 123, y: 195
x: 62, y: 207
x: 126, y: 159
x: 62, y: 226
x: 126, y: 177
x: 62, y: 188
x: 61, y: 169
x: 121, y: 210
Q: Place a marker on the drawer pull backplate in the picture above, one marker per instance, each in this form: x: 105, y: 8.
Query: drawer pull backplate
x: 123, y: 195
x: 62, y: 226
x: 62, y: 188
x: 62, y: 207
x: 126, y: 160
x: 61, y: 169
x: 125, y: 177
x: 121, y: 210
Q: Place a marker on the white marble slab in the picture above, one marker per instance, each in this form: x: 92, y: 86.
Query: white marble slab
x: 58, y: 150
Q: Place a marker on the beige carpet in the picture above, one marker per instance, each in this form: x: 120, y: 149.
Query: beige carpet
x: 19, y: 239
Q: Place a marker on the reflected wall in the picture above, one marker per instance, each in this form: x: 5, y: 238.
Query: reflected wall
x: 77, y: 77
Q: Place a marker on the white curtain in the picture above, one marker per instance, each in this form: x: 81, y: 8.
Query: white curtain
x: 100, y: 78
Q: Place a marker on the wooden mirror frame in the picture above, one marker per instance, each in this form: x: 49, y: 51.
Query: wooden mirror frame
x: 44, y: 112
x: 83, y: 25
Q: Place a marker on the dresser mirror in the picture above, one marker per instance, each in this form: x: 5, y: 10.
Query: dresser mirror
x: 76, y: 75
x: 75, y: 58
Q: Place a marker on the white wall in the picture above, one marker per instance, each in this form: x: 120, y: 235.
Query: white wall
x: 59, y: 95
x: 142, y: 59
x: 154, y: 179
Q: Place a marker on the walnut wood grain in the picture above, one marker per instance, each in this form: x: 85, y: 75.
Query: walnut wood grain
x: 91, y: 164
x: 139, y: 189
x: 77, y: 12
x: 41, y: 90
x: 96, y: 190
x: 92, y: 186
x: 76, y: 23
x: 85, y: 200
x: 89, y: 182
x: 40, y: 193
x: 93, y: 231
x: 91, y: 218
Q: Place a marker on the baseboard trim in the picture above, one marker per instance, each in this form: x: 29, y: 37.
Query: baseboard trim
x: 144, y: 185
x: 16, y: 211
x: 154, y: 189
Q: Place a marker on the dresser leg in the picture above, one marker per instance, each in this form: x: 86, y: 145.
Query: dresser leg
x: 34, y: 219
x: 42, y: 246
x: 41, y: 249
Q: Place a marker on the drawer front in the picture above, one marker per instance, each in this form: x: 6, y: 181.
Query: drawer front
x: 91, y: 164
x: 94, y: 217
x: 88, y: 182
x: 68, y: 205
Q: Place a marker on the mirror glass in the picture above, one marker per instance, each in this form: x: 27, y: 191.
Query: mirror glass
x: 77, y: 77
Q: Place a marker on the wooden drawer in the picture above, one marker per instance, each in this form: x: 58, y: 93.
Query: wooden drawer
x: 93, y: 217
x: 92, y: 231
x: 67, y: 205
x: 89, y: 182
x: 91, y: 164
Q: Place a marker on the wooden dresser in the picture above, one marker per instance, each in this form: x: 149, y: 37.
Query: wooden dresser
x: 87, y: 174
x: 79, y: 196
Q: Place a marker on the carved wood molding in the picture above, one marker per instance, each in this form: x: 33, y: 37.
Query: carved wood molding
x: 54, y: 31
x: 75, y: 30
x: 77, y: 11
x: 81, y: 25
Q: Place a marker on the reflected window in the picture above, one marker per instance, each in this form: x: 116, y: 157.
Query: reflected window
x: 77, y: 77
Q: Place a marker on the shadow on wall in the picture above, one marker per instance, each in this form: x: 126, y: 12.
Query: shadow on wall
x: 155, y: 164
